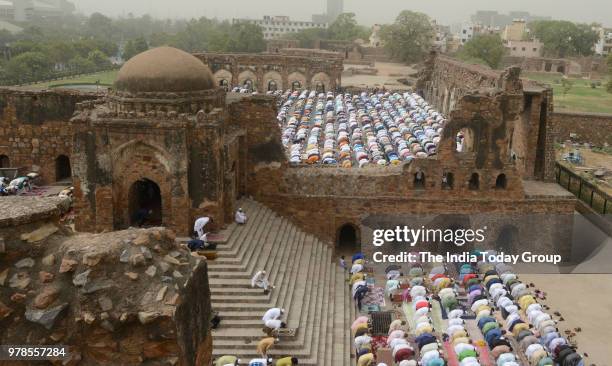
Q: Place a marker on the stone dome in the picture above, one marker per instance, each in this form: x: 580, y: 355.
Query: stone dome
x: 164, y: 69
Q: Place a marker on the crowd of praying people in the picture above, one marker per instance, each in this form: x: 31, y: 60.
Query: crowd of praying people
x: 349, y: 130
x: 513, y: 328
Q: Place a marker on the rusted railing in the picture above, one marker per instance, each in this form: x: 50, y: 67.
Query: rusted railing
x: 586, y: 191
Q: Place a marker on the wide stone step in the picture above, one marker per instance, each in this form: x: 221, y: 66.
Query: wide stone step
x: 308, y: 285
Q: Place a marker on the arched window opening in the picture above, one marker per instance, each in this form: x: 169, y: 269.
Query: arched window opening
x: 224, y: 84
x: 501, y: 182
x: 448, y: 180
x: 145, y: 203
x: 419, y: 180
x: 465, y: 140
x: 248, y: 84
x: 63, y: 170
x: 347, y: 239
x: 507, y: 240
x: 5, y: 162
x: 474, y: 183
x: 272, y: 86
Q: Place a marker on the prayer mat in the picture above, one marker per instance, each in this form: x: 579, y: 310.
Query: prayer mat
x: 375, y: 296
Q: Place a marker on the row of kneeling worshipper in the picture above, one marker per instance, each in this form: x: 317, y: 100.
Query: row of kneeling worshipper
x: 358, y: 279
x: 525, y: 319
x: 363, y: 129
x: 494, y: 336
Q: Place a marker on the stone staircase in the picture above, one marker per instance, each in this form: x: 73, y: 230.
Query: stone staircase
x: 310, y: 286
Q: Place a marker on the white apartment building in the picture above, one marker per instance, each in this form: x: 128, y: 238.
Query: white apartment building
x: 604, y: 44
x: 275, y: 27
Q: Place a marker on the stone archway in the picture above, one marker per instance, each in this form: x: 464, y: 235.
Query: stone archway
x: 248, y: 77
x: 296, y: 81
x: 507, y: 240
x: 5, y: 162
x: 144, y: 161
x: 347, y: 239
x: 272, y: 79
x: 145, y: 203
x: 321, y: 81
x: 223, y: 78
x: 62, y: 168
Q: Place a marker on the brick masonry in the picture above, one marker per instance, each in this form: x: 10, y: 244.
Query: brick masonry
x: 595, y: 128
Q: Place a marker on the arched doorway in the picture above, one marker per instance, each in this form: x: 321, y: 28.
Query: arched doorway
x: 296, y: 85
x: 320, y: 87
x: 501, y: 182
x: 145, y: 203
x: 465, y: 140
x: 5, y: 162
x: 507, y: 240
x: 62, y: 168
x: 272, y: 86
x: 224, y: 84
x: 347, y: 239
x: 248, y: 85
x: 474, y: 183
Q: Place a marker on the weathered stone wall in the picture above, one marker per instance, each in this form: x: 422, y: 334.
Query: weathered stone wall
x: 125, y: 298
x: 34, y: 128
x: 284, y: 70
x: 592, y: 66
x: 322, y: 200
x: 589, y: 127
x: 530, y: 130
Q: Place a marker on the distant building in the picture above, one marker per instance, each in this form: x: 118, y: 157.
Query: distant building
x: 470, y: 30
x: 493, y: 19
x: 334, y: 9
x: 30, y: 10
x: 604, y: 43
x: 275, y: 27
x: 7, y: 10
x: 529, y: 48
x: 516, y: 31
x: 441, y: 37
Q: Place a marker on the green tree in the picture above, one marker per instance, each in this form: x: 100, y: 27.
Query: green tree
x: 563, y: 38
x: 308, y: 37
x: 246, y: 37
x: 345, y: 28
x: 609, y: 84
x: 134, y: 47
x: 81, y: 65
x: 99, y: 26
x: 99, y: 59
x: 566, y: 85
x: 486, y: 47
x: 410, y: 37
x: 28, y: 66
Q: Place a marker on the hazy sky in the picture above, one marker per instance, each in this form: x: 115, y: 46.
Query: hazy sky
x: 368, y: 11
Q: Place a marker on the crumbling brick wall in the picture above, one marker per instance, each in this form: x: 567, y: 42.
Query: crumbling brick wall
x: 595, y: 128
x: 283, y: 69
x: 445, y: 81
x: 34, y: 128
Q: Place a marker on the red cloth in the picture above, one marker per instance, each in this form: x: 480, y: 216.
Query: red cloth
x: 421, y: 304
x: 404, y: 354
x: 468, y: 277
x: 439, y: 275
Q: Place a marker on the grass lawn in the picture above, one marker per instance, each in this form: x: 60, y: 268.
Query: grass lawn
x: 580, y: 98
x: 105, y: 77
